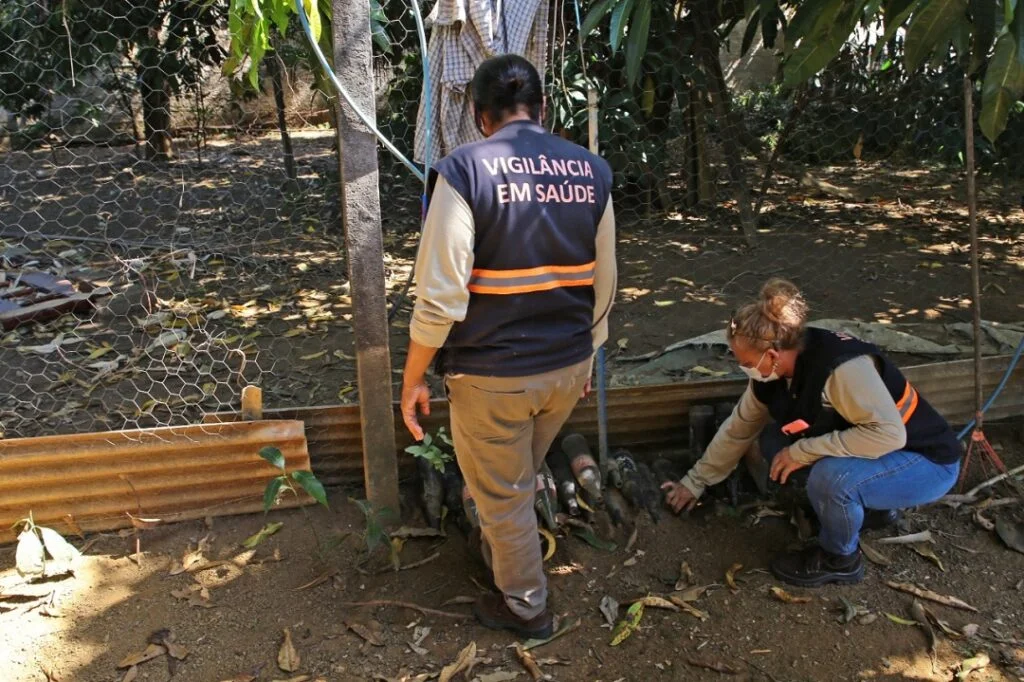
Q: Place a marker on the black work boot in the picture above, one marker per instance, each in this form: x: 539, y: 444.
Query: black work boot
x: 492, y: 611
x: 877, y: 519
x: 814, y: 567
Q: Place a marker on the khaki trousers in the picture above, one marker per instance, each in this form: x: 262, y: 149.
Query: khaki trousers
x: 502, y: 428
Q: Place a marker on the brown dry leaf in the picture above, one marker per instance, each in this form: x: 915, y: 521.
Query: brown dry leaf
x: 288, y: 658
x: 685, y: 577
x: 788, y: 598
x: 242, y: 677
x: 460, y: 664
x: 659, y: 603
x: 319, y: 580
x: 529, y: 662
x: 873, y: 555
x: 689, y: 608
x: 365, y: 632
x: 131, y: 675
x: 1012, y: 534
x: 152, y: 651
x: 730, y: 576
x: 143, y: 524
x: 175, y: 650
x: 931, y: 596
x: 460, y: 600
x: 73, y: 526
x: 925, y: 550
x: 921, y: 618
x: 695, y: 593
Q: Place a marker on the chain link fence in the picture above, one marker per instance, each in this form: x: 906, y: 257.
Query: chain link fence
x: 163, y: 246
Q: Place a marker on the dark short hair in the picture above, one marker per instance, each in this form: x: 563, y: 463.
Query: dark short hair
x: 504, y: 85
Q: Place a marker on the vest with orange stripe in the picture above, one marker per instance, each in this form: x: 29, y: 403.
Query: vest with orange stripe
x: 536, y: 200
x: 928, y: 433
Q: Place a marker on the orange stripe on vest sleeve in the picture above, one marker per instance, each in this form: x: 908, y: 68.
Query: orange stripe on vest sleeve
x: 913, y: 407
x: 906, y: 396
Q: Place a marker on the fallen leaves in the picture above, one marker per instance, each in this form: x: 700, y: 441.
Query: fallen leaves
x: 787, y: 598
x: 365, y: 632
x: 923, y: 593
x: 529, y: 663
x: 195, y: 594
x: 708, y: 664
x: 152, y: 651
x: 461, y: 663
x: 685, y: 577
x: 730, y: 577
x: 263, y: 533
x: 288, y: 658
x: 628, y: 625
x: 689, y: 608
x: 873, y: 555
x: 970, y: 665
x: 609, y: 609
x: 925, y: 550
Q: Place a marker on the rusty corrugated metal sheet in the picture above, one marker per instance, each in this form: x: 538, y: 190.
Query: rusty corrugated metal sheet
x: 173, y: 474
x: 642, y: 417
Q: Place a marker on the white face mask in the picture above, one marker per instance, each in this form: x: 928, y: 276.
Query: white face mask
x: 755, y: 374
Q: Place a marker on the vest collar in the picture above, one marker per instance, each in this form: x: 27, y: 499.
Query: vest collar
x: 512, y: 128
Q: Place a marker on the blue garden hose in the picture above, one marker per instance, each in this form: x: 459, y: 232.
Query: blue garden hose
x: 999, y: 389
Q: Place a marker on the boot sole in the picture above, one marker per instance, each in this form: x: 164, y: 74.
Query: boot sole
x: 820, y: 581
x: 495, y: 624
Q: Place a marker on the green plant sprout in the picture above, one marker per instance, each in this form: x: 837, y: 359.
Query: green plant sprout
x: 375, y: 534
x: 276, y: 486
x: 306, y: 479
x: 429, y: 450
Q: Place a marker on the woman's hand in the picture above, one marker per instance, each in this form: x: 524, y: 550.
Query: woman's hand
x: 415, y: 396
x: 679, y: 496
x: 783, y: 465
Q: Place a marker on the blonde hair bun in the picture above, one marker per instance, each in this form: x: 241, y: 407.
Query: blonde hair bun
x: 782, y: 303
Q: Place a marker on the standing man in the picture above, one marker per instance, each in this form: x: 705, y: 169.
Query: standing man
x: 515, y: 277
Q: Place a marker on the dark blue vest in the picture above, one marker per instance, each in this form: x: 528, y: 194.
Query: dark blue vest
x: 928, y: 433
x: 536, y: 200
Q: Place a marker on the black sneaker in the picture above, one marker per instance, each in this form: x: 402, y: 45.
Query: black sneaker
x: 814, y: 567
x: 877, y: 519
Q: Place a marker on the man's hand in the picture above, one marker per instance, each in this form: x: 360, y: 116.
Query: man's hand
x: 586, y: 388
x: 415, y: 395
x: 783, y: 465
x: 679, y: 496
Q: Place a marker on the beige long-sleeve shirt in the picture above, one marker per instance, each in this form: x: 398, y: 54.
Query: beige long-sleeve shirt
x: 856, y: 391
x: 445, y: 263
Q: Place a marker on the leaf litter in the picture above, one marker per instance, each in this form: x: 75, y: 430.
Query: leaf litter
x: 288, y: 658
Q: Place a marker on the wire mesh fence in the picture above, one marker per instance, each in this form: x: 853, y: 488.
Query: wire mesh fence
x: 163, y: 247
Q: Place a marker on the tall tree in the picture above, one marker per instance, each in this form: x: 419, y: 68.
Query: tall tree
x: 49, y: 48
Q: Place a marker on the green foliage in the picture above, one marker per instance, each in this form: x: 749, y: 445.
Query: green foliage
x: 375, y: 533
x: 820, y: 29
x: 252, y: 24
x: 429, y: 450
x: 47, y: 49
x: 283, y: 483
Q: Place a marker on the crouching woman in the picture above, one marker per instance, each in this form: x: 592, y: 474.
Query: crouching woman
x: 836, y: 404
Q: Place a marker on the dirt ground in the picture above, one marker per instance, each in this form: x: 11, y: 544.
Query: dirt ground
x: 253, y: 280
x: 108, y: 609
x: 251, y: 283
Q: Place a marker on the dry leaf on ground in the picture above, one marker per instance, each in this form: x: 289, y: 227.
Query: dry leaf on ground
x: 685, y: 577
x: 925, y: 550
x: 689, y: 608
x: 288, y: 658
x: 730, y: 576
x: 694, y: 593
x: 873, y: 555
x: 460, y: 664
x: 628, y: 625
x: 529, y: 662
x: 131, y: 675
x: 152, y: 651
x: 970, y: 665
x: 1011, y: 533
x: 788, y: 598
x: 609, y: 609
x: 365, y: 632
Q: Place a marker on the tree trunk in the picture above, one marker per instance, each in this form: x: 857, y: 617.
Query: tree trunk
x: 707, y: 50
x: 156, y: 100
x: 276, y: 69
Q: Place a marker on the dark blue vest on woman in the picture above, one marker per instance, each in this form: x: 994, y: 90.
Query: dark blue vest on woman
x: 536, y: 200
x: 928, y: 433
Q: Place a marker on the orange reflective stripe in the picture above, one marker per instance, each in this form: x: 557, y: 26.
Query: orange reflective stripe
x: 531, y: 280
x: 529, y: 288
x: 908, y: 403
x: 532, y: 272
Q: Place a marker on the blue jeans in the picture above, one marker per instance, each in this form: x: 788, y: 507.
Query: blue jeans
x: 841, y: 488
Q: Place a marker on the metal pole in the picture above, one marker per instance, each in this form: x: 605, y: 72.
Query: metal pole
x: 972, y: 221
x: 602, y: 398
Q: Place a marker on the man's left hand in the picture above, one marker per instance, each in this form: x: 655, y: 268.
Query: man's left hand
x: 783, y: 465
x: 415, y: 397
